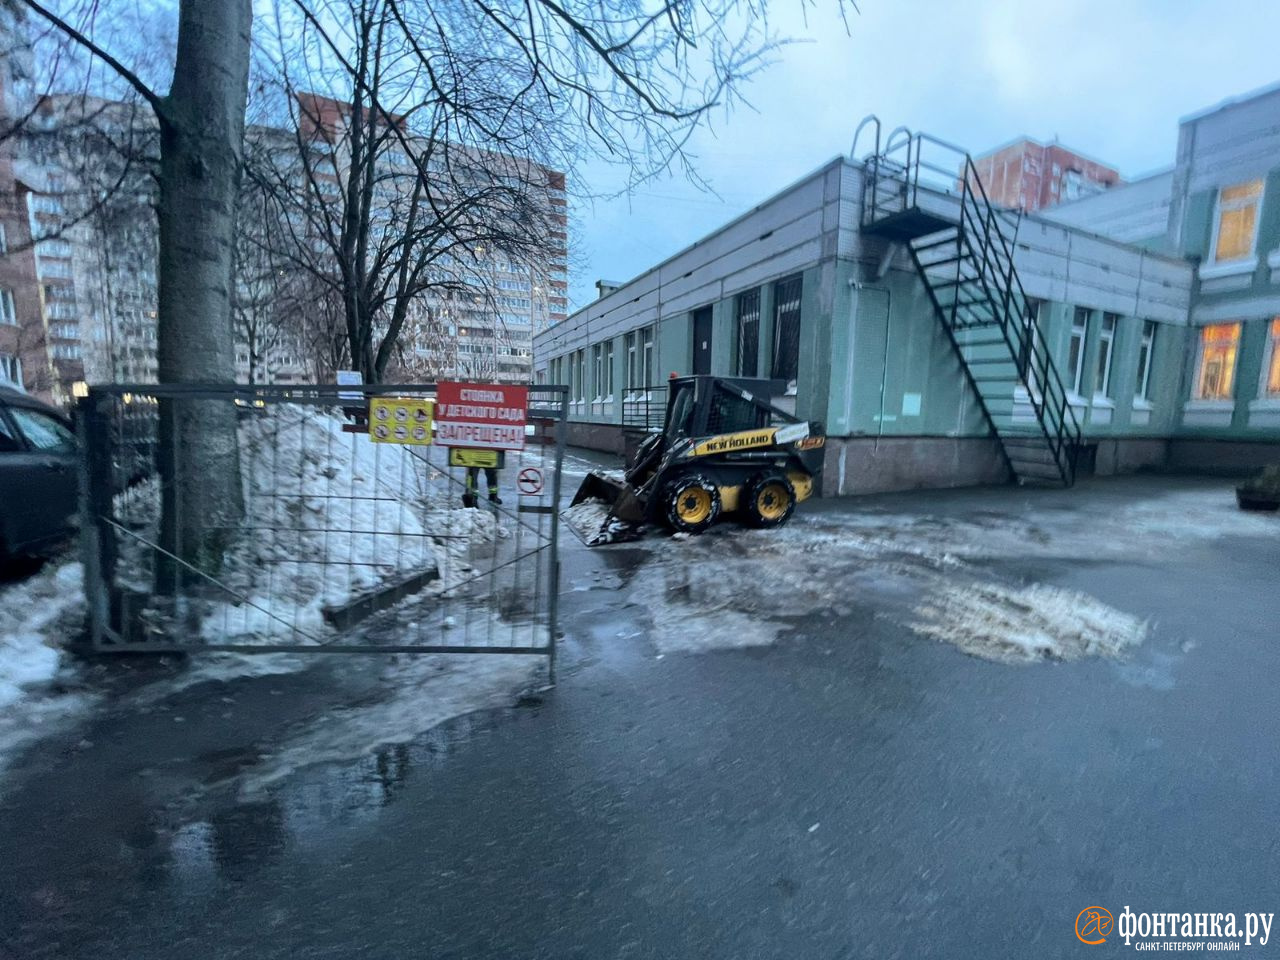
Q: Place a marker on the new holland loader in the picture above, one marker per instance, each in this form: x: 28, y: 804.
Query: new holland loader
x: 724, y: 449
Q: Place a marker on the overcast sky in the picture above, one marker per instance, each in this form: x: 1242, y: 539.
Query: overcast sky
x: 1109, y: 78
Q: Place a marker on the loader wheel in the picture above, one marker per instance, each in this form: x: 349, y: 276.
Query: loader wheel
x: 692, y: 502
x: 770, y: 500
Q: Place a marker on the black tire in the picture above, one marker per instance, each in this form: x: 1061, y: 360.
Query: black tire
x: 768, y: 500
x: 691, y: 503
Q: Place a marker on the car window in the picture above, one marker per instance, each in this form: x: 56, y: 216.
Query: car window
x: 43, y: 431
x: 9, y: 443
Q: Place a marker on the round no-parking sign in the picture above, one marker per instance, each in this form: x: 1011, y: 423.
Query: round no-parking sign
x: 529, y: 481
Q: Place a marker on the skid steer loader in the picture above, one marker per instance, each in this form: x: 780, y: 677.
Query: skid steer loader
x: 724, y: 448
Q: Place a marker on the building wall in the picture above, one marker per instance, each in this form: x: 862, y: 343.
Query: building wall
x: 23, y: 343
x: 1231, y: 145
x: 1136, y: 212
x: 876, y: 366
x: 1030, y: 176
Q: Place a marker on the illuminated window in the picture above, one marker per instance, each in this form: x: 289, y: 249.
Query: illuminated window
x: 1237, y: 221
x: 1273, y: 360
x: 1216, y: 363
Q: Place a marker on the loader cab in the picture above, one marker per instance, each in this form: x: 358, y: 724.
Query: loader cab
x: 703, y: 406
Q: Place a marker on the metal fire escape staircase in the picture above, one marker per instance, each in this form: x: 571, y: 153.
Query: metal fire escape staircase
x: 962, y: 246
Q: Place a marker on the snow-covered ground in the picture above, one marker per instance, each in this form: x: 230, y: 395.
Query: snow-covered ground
x: 36, y: 616
x: 734, y: 587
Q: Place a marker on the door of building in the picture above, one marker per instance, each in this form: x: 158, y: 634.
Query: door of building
x: 702, y: 340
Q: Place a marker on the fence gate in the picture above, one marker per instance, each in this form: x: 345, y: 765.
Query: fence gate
x: 266, y: 519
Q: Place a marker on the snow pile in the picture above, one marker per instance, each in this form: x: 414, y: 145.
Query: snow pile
x: 36, y: 616
x: 1026, y: 625
x: 591, y: 522
x: 330, y: 516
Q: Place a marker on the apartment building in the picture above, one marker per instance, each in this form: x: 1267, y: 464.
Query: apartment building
x: 480, y: 322
x: 1028, y: 175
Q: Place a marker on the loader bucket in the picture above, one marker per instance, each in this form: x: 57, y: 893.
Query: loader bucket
x: 596, y: 486
x: 626, y: 509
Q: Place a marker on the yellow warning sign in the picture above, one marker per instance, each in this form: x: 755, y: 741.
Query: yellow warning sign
x: 400, y: 420
x: 473, y: 457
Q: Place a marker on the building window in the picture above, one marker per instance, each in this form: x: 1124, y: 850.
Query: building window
x: 1145, y: 352
x: 1075, y: 354
x: 747, y: 344
x: 1216, y: 363
x: 597, y: 369
x: 1272, y: 369
x: 11, y: 370
x: 1030, y: 365
x: 4, y: 240
x: 1106, y: 342
x: 646, y: 356
x: 578, y: 375
x: 786, y: 330
x: 604, y: 379
x: 1237, y: 225
x: 639, y: 347
x: 8, y: 315
x: 631, y: 345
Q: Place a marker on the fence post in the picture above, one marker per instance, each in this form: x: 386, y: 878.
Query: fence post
x: 97, y: 539
x: 553, y: 602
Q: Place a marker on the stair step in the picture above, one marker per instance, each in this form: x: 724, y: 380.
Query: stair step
x: 1018, y: 456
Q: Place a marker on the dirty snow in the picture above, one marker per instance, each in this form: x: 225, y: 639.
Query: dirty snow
x: 421, y: 692
x: 734, y: 587
x: 1026, y: 625
x: 37, y: 616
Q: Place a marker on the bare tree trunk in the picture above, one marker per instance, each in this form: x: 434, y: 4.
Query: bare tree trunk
x: 202, y: 138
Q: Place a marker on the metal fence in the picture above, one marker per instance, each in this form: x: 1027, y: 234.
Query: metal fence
x: 266, y: 519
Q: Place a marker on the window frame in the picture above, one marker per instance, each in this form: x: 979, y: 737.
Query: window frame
x: 1107, y: 327
x: 14, y: 362
x: 1202, y: 342
x: 1271, y: 363
x: 647, y: 357
x: 1237, y: 205
x: 1146, y: 361
x: 597, y: 370
x: 792, y: 315
x: 607, y: 394
x: 746, y: 313
x: 1080, y: 328
x: 8, y: 308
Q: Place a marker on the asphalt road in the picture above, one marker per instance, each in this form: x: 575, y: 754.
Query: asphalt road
x: 852, y: 791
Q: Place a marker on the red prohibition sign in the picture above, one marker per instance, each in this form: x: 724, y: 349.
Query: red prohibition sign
x: 529, y: 480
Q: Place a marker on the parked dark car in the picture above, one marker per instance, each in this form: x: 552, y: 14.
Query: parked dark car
x: 38, y: 483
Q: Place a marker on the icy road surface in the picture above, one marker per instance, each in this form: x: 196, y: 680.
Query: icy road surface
x: 735, y: 587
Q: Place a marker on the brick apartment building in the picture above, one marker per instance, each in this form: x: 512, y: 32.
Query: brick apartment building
x: 1030, y: 176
